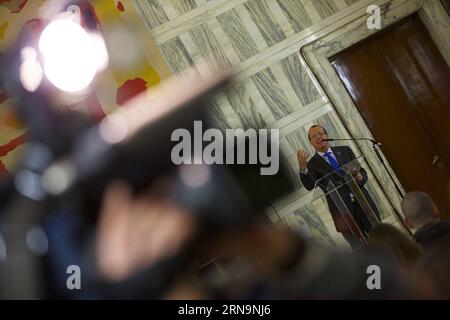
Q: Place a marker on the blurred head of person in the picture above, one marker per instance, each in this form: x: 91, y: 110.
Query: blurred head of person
x: 398, y: 243
x: 419, y: 210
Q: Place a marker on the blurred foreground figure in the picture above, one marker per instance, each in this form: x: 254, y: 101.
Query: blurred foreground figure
x: 432, y: 276
x: 422, y: 216
x: 405, y: 250
x: 137, y: 245
x: 147, y: 246
x: 259, y: 262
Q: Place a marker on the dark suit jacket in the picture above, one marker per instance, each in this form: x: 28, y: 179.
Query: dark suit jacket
x: 318, y: 168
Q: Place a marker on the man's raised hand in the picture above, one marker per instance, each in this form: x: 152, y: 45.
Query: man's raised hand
x: 302, y: 157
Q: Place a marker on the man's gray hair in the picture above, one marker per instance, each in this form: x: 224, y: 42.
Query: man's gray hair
x: 418, y: 207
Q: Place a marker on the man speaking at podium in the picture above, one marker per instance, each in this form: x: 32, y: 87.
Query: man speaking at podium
x: 327, y: 163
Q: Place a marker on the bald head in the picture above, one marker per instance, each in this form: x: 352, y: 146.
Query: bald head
x: 419, y: 209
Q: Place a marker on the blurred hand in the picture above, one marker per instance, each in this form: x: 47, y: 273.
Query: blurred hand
x: 302, y: 157
x: 137, y: 232
x: 359, y: 177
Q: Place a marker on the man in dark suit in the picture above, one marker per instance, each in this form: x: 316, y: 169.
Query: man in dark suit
x: 326, y: 164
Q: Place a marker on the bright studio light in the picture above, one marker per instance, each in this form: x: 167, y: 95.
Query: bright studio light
x: 72, y: 56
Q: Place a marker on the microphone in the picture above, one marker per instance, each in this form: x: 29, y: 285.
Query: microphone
x: 375, y: 142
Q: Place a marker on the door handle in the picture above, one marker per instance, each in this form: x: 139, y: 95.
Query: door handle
x: 435, y: 160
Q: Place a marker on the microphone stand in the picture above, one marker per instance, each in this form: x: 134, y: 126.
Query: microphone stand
x: 380, y: 158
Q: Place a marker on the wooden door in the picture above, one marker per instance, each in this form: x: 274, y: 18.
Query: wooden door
x: 400, y: 84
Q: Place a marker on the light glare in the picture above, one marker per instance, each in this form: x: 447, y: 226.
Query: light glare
x: 72, y: 56
x: 31, y: 72
x: 114, y: 128
x: 195, y: 176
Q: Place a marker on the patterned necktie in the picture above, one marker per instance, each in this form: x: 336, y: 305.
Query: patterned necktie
x: 334, y: 164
